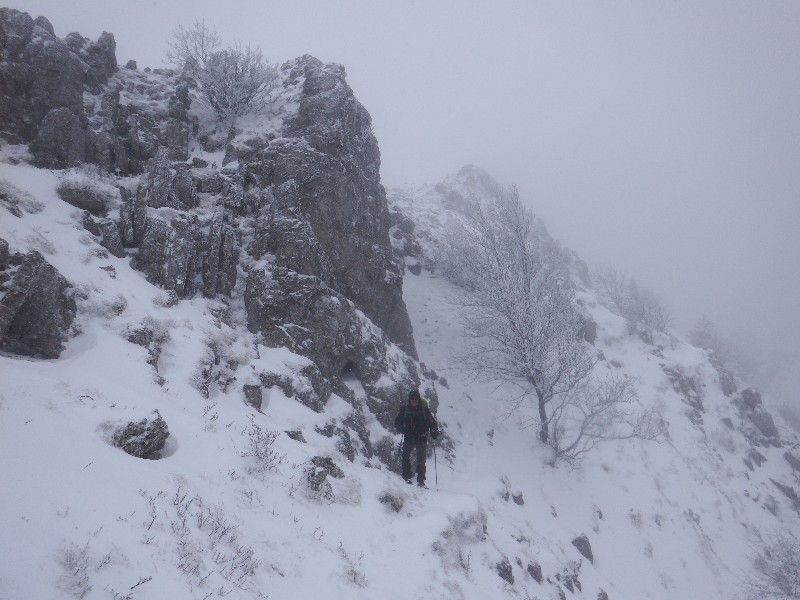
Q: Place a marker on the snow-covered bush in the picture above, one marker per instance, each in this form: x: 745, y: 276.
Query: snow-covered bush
x: 202, y: 535
x: 260, y: 449
x: 464, y: 530
x: 75, y: 561
x: 233, y: 81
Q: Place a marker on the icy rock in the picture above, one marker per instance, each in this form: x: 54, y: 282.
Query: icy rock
x: 38, y: 309
x: 143, y: 439
x: 584, y: 547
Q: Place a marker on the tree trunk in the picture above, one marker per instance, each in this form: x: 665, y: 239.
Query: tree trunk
x: 543, y: 432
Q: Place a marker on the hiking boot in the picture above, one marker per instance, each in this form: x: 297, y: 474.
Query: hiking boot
x: 408, y: 480
x: 421, y: 484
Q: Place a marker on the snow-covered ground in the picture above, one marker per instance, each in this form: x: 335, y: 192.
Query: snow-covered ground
x: 80, y: 518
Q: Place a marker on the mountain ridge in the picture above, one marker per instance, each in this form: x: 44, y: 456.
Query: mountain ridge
x: 278, y: 387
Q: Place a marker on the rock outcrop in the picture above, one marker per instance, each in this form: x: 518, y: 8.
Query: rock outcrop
x: 46, y: 80
x: 292, y: 223
x: 327, y: 216
x: 759, y: 425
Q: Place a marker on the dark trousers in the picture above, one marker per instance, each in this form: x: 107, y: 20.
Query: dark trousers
x: 420, y: 443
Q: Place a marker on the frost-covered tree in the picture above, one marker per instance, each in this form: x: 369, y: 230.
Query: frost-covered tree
x: 642, y: 310
x: 519, y: 313
x: 233, y: 81
x: 777, y: 571
x: 706, y: 335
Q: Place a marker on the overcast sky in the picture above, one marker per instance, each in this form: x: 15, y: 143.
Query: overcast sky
x: 662, y: 138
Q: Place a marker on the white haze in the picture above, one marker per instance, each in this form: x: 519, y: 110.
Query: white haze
x: 662, y: 138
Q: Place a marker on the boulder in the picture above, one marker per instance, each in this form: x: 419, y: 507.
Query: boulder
x: 92, y: 198
x: 584, y: 547
x: 143, y: 439
x: 38, y: 309
x: 60, y: 141
x: 253, y: 395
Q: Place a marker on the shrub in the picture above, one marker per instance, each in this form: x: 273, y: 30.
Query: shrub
x: 260, y: 449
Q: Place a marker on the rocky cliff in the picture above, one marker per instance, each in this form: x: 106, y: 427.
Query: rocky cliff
x: 280, y: 217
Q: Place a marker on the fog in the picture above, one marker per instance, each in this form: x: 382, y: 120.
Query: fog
x: 661, y: 138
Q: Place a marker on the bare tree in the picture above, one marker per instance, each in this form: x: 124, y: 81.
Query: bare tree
x: 192, y: 47
x: 233, y: 81
x: 706, y: 335
x: 600, y: 411
x: 777, y: 571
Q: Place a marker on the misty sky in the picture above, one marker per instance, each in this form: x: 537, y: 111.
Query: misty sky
x: 662, y: 138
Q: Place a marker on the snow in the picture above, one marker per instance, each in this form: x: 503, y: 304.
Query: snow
x: 80, y: 518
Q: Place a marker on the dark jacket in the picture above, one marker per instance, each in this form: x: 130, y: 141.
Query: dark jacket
x: 416, y: 421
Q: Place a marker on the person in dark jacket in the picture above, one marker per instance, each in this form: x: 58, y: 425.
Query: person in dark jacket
x: 414, y: 421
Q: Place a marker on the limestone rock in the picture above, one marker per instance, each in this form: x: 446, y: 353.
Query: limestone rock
x: 61, y: 140
x: 37, y: 310
x: 329, y: 330
x: 326, y: 171
x: 763, y: 429
x: 222, y: 255
x: 253, y: 395
x: 39, y: 73
x: 143, y: 439
x: 584, y: 547
x: 168, y: 253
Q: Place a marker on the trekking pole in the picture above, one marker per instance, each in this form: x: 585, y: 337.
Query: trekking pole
x: 435, y: 467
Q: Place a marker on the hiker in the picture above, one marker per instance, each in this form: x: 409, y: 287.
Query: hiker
x: 414, y: 421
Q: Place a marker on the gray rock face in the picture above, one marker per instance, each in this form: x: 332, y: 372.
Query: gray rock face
x: 61, y: 141
x: 326, y: 181
x: 222, y: 255
x: 39, y: 73
x: 325, y: 326
x: 169, y: 251
x: 584, y: 547
x: 143, y: 439
x: 100, y: 57
x: 37, y: 309
x: 175, y: 244
x: 751, y: 408
x: 690, y: 392
x: 253, y: 395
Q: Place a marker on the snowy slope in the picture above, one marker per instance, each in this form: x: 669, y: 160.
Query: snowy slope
x: 80, y: 518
